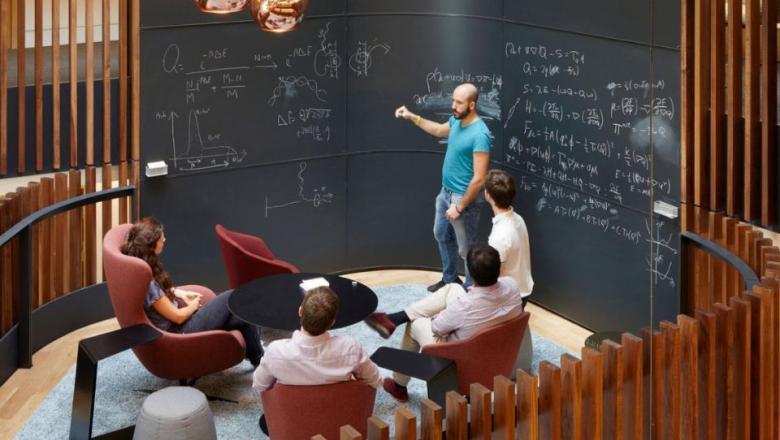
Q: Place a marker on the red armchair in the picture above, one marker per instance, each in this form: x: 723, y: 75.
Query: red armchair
x: 247, y: 257
x: 295, y: 412
x: 487, y: 353
x: 173, y: 355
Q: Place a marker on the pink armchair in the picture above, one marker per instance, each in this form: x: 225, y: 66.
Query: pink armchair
x: 247, y: 257
x: 299, y: 412
x: 173, y: 355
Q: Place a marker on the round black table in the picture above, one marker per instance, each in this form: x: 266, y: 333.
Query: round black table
x: 273, y: 301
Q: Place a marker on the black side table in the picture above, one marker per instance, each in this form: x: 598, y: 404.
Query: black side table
x: 91, y: 351
x: 439, y: 374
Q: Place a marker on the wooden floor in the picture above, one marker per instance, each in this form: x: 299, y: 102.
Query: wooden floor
x: 26, y: 389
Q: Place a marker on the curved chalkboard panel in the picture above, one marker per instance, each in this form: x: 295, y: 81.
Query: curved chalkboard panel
x: 156, y: 13
x: 591, y: 259
x: 484, y: 8
x: 580, y: 112
x: 626, y: 20
x: 231, y: 96
x: 298, y: 208
x: 417, y: 61
x: 666, y: 149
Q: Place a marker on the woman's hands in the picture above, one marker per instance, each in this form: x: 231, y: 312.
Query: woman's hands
x: 187, y: 295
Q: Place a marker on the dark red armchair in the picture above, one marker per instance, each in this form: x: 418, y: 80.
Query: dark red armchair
x: 173, y: 355
x: 246, y: 257
x: 295, y: 412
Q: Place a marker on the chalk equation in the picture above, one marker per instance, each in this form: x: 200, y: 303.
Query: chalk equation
x: 315, y: 197
x: 196, y: 154
x: 361, y: 60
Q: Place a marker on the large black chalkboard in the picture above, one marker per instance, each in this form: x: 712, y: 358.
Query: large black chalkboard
x: 301, y: 147
x: 230, y: 95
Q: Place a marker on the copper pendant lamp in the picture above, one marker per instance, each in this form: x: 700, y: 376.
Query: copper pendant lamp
x: 221, y: 6
x: 278, y: 15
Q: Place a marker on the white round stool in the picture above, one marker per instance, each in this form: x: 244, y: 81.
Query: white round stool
x: 175, y: 413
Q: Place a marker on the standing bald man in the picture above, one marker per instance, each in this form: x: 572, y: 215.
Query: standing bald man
x: 465, y: 165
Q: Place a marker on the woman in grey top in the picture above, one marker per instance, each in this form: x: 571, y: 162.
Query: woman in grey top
x: 180, y: 311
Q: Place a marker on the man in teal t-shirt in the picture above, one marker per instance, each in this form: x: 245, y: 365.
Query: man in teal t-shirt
x: 458, y: 204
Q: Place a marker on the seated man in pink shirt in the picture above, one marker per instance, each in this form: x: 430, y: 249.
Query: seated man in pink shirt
x: 451, y: 313
x: 312, y: 356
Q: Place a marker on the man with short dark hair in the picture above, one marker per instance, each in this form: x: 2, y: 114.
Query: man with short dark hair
x: 451, y: 313
x: 312, y: 356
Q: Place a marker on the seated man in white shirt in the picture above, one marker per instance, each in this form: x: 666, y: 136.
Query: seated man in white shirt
x: 451, y: 313
x: 312, y: 356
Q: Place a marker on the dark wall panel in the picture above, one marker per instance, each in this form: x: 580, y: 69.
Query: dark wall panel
x: 485, y: 8
x: 298, y: 208
x: 417, y: 61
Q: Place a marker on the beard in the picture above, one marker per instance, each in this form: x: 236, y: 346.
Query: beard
x: 460, y: 115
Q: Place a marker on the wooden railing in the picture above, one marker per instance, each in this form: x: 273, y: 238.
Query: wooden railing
x: 729, y: 107
x: 711, y: 374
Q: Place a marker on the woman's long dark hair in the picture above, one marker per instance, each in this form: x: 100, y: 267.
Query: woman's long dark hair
x: 141, y: 242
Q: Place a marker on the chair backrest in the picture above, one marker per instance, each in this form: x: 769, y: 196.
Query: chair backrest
x: 127, y: 277
x: 487, y: 353
x: 297, y: 412
x: 247, y: 257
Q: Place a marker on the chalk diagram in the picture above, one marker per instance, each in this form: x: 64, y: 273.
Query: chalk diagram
x: 196, y: 155
x: 360, y: 61
x: 315, y: 199
x: 658, y: 265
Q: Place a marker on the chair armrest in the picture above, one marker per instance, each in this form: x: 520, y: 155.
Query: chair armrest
x: 108, y: 344
x: 417, y: 365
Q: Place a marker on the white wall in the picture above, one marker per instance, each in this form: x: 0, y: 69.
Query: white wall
x: 97, y: 11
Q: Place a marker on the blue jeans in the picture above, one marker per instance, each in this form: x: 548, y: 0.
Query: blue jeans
x: 455, y: 238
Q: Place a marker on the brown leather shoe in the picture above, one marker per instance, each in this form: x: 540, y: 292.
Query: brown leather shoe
x: 381, y: 323
x: 398, y: 392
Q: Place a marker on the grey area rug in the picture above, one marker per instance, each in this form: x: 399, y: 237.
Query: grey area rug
x: 123, y: 384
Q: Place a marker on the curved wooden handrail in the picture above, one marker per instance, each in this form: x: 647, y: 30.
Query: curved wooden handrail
x: 748, y: 275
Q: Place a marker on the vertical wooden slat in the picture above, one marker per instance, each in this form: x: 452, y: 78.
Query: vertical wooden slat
x: 707, y: 372
x: 106, y: 27
x: 21, y: 84
x: 35, y: 195
x: 4, y: 36
x: 753, y: 249
x: 135, y: 202
x: 89, y: 83
x: 716, y: 266
x: 742, y: 366
x: 633, y: 387
x: 769, y: 114
x: 6, y: 270
x: 123, y: 86
x: 549, y: 401
x: 724, y: 373
x: 701, y: 98
x: 55, y: 86
x: 689, y: 341
x: 672, y: 387
x: 47, y: 248
x: 504, y: 408
x: 592, y: 393
x: 73, y: 67
x: 571, y: 368
x: 38, y: 85
x: 759, y: 386
x: 13, y: 199
x: 106, y: 207
x: 717, y: 142
x: 774, y: 285
x: 729, y: 240
x: 687, y: 101
x: 90, y: 230
x: 405, y: 424
x: 430, y: 426
x: 60, y: 235
x: 528, y: 405
x: 481, y: 412
x: 752, y: 109
x: 378, y: 429
x: 123, y: 202
x: 75, y: 260
x: 613, y: 389
x: 347, y: 432
x: 734, y: 135
x: 135, y: 78
x: 654, y: 384
x: 455, y: 408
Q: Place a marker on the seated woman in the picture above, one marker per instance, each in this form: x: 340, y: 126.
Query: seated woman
x: 176, y: 310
